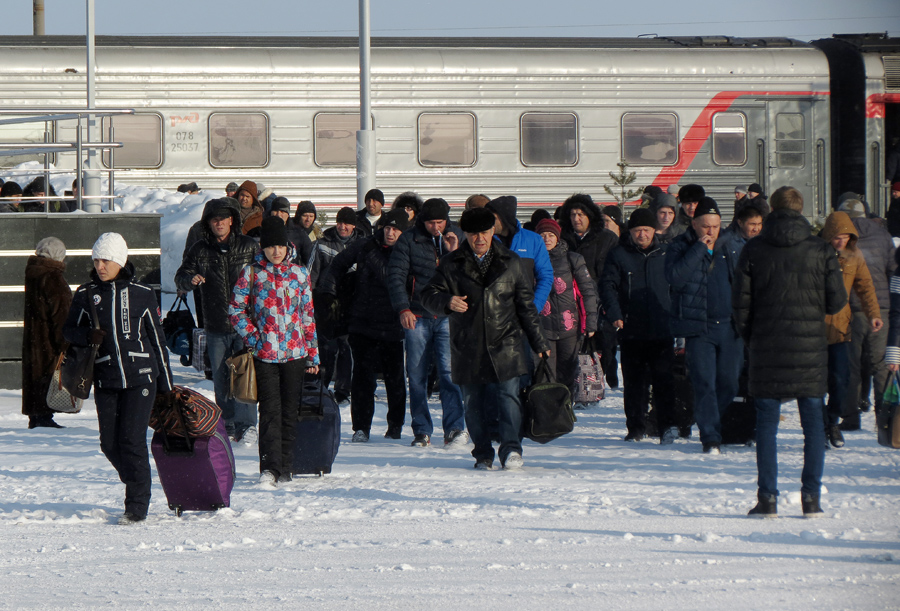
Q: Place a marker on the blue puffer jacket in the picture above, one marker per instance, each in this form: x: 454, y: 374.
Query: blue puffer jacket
x: 530, y: 246
x: 688, y: 267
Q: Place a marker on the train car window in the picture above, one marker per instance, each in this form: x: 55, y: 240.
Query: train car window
x: 446, y: 139
x: 238, y: 140
x: 650, y: 139
x: 25, y: 133
x: 790, y: 141
x: 549, y: 139
x: 141, y: 138
x: 335, y: 141
x: 729, y: 138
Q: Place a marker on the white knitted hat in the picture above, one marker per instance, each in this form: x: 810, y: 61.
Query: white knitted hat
x: 112, y: 247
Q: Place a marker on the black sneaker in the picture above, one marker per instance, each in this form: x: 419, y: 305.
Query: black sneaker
x: 834, y: 436
x: 634, y: 436
x: 864, y: 405
x: 421, y: 441
x: 393, y: 432
x: 284, y: 478
x: 128, y: 518
x: 360, y: 436
x: 810, y: 504
x: 712, y: 448
x: 766, y: 507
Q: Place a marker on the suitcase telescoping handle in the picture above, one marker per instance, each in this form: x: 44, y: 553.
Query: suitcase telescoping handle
x: 321, y: 413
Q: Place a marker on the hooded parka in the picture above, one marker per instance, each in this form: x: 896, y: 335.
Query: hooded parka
x: 786, y: 282
x: 856, y: 277
x: 219, y: 264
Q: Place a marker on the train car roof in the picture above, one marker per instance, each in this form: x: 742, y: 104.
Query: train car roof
x: 655, y: 42
x: 865, y: 43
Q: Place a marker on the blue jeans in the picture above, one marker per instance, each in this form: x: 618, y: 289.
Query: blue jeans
x: 504, y: 396
x: 714, y: 363
x: 768, y: 412
x: 431, y: 339
x: 838, y: 381
x: 220, y: 346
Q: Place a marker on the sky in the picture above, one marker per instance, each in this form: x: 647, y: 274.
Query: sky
x: 802, y: 19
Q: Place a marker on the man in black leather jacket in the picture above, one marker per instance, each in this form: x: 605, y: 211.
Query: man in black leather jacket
x: 486, y: 291
x: 213, y: 265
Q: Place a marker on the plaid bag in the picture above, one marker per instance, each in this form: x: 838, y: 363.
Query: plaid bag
x: 590, y: 383
x: 184, y: 413
x: 199, y: 358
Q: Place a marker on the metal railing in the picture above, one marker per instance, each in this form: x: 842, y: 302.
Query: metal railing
x: 85, y: 175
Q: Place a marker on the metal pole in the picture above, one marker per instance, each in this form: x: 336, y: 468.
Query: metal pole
x: 90, y: 178
x: 365, y: 137
x: 38, y: 17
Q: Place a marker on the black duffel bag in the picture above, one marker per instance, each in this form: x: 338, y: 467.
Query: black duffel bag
x: 548, y: 406
x: 178, y: 325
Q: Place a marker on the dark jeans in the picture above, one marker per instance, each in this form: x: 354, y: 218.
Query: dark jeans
x: 123, y: 416
x: 337, y: 364
x: 866, y: 354
x: 838, y: 380
x: 768, y: 412
x: 714, y: 364
x: 278, y: 387
x: 369, y: 357
x: 505, y: 395
x: 220, y: 346
x: 645, y: 363
x: 429, y: 343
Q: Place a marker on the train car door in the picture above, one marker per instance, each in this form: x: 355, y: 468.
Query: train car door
x: 793, y: 158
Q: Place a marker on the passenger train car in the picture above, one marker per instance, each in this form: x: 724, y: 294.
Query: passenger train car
x: 536, y: 118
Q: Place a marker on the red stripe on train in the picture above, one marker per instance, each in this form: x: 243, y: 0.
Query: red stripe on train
x: 699, y: 132
x: 875, y: 104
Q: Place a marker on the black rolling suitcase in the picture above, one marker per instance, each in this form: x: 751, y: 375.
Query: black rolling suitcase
x: 318, y: 430
x: 738, y: 421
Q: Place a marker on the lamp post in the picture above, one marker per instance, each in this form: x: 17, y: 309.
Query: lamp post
x: 89, y: 178
x: 365, y: 137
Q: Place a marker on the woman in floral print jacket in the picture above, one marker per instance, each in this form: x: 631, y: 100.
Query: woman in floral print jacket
x: 272, y: 310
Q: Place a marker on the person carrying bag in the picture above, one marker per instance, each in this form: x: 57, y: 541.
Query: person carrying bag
x: 272, y: 310
x: 118, y: 319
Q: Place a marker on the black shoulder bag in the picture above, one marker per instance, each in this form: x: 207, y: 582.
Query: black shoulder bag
x: 77, y: 371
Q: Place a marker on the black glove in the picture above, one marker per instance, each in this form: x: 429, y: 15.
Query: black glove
x: 96, y: 337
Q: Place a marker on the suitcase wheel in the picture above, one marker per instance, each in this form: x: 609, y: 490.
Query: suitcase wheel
x: 177, y: 509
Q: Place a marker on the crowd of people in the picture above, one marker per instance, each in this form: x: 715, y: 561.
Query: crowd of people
x: 756, y: 310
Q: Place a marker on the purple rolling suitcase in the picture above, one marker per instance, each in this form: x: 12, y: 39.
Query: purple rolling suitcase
x: 196, y: 474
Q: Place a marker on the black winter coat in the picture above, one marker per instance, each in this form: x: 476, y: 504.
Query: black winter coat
x: 413, y: 263
x: 594, y: 246
x: 326, y: 249
x: 688, y: 267
x: 220, y: 268
x: 370, y: 309
x: 133, y: 352
x: 634, y: 290
x: 486, y: 339
x: 561, y: 316
x: 878, y: 249
x: 786, y: 282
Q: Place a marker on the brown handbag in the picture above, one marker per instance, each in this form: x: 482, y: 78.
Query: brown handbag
x: 243, y: 376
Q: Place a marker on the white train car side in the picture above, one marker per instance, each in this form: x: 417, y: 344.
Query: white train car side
x: 535, y: 118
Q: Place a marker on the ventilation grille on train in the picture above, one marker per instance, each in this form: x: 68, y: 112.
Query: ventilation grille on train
x: 891, y: 72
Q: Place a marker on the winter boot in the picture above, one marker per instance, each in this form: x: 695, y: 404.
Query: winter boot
x: 766, y: 507
x: 810, y: 504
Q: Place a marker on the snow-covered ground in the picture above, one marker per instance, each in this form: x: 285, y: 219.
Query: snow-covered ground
x: 590, y: 520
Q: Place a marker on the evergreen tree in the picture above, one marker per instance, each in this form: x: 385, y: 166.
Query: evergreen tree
x: 619, y: 190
